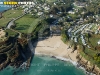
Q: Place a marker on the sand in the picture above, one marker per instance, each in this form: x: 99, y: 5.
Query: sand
x: 53, y: 46
x: 2, y: 33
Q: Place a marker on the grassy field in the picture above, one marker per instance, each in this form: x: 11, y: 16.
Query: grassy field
x: 4, y: 21
x: 94, y: 39
x: 8, y: 15
x: 89, y: 59
x: 26, y: 24
x: 92, y: 43
x: 10, y: 32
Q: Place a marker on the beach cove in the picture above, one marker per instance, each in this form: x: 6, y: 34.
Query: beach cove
x: 49, y: 61
x: 45, y: 65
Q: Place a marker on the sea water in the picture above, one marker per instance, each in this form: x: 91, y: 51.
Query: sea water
x: 45, y: 65
x: 4, y: 7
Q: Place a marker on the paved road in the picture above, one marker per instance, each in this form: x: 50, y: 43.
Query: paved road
x: 12, y: 21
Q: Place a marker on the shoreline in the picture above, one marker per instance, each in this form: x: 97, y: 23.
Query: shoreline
x: 62, y: 55
x: 59, y: 58
x: 66, y: 60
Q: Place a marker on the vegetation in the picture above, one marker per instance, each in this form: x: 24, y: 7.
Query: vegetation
x: 9, y: 15
x: 60, y: 8
x: 34, y: 34
x: 26, y: 24
x: 64, y: 36
x: 92, y: 54
x: 10, y: 33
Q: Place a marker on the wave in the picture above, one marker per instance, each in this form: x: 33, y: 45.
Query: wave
x: 66, y: 59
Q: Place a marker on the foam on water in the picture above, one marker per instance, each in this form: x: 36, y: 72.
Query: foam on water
x: 62, y: 67
x: 67, y: 59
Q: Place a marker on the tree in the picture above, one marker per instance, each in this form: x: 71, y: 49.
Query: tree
x: 64, y: 36
x: 97, y: 58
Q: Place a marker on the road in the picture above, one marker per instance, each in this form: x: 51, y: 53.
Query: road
x: 12, y: 21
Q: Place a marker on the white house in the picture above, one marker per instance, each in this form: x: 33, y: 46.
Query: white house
x: 46, y: 8
x: 51, y: 15
x: 75, y: 39
x: 71, y: 12
x: 40, y: 13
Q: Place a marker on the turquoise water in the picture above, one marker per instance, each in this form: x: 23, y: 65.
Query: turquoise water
x: 45, y: 66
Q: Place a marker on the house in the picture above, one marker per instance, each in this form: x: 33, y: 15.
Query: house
x: 54, y: 3
x: 71, y: 12
x: 55, y: 29
x: 96, y: 32
x: 99, y: 28
x: 46, y: 8
x: 40, y: 13
x: 83, y: 40
x: 51, y: 15
x: 98, y: 42
x: 75, y: 39
x: 80, y: 4
x: 83, y: 12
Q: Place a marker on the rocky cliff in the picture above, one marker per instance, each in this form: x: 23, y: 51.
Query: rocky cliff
x: 14, y: 51
x: 87, y: 65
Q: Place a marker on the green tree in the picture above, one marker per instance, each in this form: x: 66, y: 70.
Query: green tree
x: 64, y: 36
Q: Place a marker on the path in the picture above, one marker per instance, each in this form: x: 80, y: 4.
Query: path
x: 12, y: 21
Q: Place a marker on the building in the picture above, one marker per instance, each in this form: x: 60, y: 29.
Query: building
x: 55, y: 29
x: 99, y: 42
x: 71, y: 12
x: 80, y: 4
x: 40, y: 13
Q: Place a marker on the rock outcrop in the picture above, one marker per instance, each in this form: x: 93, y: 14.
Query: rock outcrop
x: 87, y: 65
x: 14, y: 51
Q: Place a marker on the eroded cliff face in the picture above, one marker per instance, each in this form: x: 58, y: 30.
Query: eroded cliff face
x: 87, y: 65
x: 14, y: 52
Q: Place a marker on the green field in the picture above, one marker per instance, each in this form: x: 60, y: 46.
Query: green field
x: 26, y: 24
x: 94, y: 39
x: 10, y: 32
x: 9, y: 15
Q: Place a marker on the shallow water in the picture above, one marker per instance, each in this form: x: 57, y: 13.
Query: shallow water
x: 44, y: 65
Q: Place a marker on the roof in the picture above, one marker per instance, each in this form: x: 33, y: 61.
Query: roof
x: 98, y: 42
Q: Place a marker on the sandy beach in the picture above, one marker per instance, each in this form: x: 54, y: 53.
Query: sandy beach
x: 54, y: 46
